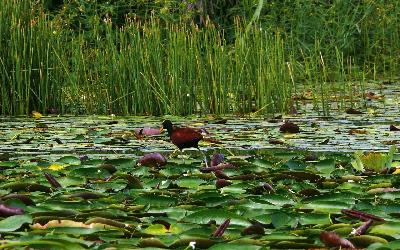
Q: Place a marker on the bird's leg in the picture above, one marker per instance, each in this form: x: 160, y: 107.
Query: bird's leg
x: 182, y: 156
x: 174, y: 153
x: 205, y: 157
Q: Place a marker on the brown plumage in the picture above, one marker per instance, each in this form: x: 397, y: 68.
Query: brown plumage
x: 182, y: 137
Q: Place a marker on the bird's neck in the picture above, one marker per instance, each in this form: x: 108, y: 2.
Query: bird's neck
x: 169, y: 131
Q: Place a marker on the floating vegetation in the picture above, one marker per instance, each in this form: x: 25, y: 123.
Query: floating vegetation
x: 105, y: 187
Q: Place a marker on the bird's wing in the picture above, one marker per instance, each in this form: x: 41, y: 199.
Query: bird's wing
x: 184, y: 135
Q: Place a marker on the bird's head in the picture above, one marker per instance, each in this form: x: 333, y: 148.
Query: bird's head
x: 167, y: 125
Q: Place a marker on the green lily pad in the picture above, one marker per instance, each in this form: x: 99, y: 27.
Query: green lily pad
x: 14, y: 222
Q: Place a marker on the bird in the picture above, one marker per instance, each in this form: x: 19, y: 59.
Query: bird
x: 183, y: 137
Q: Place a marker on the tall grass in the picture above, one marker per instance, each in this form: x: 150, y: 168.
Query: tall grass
x: 153, y: 67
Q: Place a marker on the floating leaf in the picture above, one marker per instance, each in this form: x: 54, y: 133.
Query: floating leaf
x: 280, y: 219
x: 357, y: 163
x: 105, y: 221
x: 13, y: 223
x: 326, y: 167
x: 389, y: 228
x: 28, y: 187
x: 366, y: 240
x: 315, y: 219
x: 233, y: 246
x: 219, y: 216
x: 189, y: 182
x: 8, y: 164
x: 87, y: 195
x: 374, y: 161
x: 70, y: 160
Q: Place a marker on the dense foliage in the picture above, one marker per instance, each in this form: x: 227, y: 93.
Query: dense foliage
x: 182, y: 57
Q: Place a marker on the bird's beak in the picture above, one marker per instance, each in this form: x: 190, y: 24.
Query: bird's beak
x: 161, y: 130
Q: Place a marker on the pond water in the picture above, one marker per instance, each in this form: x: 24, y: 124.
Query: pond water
x: 76, y: 181
x: 340, y: 132
x: 107, y: 135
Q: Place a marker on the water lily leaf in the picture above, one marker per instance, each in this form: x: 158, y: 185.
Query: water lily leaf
x: 28, y: 187
x: 238, y: 188
x: 366, y: 240
x: 310, y: 232
x: 152, y: 243
x: 263, y: 164
x: 73, y: 227
x: 159, y: 229
x: 281, y: 219
x: 325, y: 206
x: 233, y: 246
x: 299, y: 175
x: 294, y: 245
x: 174, y: 213
x: 70, y: 160
x: 109, y: 222
x: 68, y: 239
x: 278, y: 236
x: 198, y: 242
x: 390, y: 156
x: 14, y: 222
x: 87, y: 195
x: 8, y: 164
x: 218, y: 215
x: 189, y: 182
x: 69, y: 181
x: 392, y: 195
x: 389, y: 228
x: 374, y: 161
x: 325, y: 167
x: 156, y: 200
x: 393, y: 245
x: 277, y: 200
x: 89, y: 172
x: 295, y: 165
x: 58, y: 244
x: 315, y: 219
x: 357, y: 163
x: 103, y: 186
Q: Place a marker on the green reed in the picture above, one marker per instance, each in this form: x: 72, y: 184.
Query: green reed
x: 154, y: 67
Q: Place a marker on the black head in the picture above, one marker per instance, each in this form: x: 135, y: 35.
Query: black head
x: 167, y: 124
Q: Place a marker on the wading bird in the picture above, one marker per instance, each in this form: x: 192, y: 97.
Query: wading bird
x: 184, y: 137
